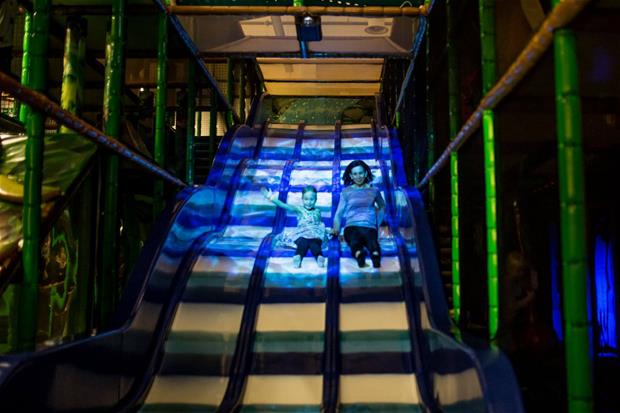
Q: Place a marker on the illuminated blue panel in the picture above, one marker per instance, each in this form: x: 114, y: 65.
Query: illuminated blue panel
x: 317, y: 148
x: 556, y: 300
x: 605, y: 296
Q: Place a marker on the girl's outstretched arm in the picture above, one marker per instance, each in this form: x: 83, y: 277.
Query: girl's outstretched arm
x: 272, y: 197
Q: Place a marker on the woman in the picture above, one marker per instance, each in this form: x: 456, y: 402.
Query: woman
x: 362, y: 207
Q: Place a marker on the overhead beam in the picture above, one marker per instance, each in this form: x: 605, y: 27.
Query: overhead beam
x: 366, y: 11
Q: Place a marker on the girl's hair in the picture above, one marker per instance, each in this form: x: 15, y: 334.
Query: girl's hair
x: 346, y: 176
x: 308, y: 188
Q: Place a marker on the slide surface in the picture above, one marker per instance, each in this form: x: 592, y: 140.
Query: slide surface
x: 217, y: 318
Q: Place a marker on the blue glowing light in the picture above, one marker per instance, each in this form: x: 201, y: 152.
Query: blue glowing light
x: 605, y: 295
x: 556, y: 301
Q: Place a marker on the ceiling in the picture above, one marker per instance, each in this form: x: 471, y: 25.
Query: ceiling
x: 347, y: 61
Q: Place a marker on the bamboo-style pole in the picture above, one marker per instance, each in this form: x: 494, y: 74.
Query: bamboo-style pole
x: 72, y: 90
x: 454, y: 123
x: 113, y: 84
x: 33, y: 165
x: 577, y: 323
x: 25, y: 78
x: 160, y: 110
x: 489, y: 69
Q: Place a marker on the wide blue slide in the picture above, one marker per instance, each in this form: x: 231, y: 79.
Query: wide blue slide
x: 216, y: 318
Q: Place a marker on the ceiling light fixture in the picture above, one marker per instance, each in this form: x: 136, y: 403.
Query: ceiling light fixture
x: 376, y: 30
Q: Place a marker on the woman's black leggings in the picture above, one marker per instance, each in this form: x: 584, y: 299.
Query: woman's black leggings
x: 360, y: 237
x: 303, y: 244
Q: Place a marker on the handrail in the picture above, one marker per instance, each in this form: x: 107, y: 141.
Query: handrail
x: 42, y: 103
x: 560, y: 16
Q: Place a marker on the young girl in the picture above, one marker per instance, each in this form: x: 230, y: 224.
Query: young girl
x: 362, y: 207
x: 310, y: 230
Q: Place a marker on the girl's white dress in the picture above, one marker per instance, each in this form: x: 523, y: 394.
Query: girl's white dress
x: 309, y: 225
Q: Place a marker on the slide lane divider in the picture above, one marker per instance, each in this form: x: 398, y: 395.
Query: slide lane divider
x: 261, y: 140
x: 331, y: 353
x: 242, y: 359
x: 298, y: 139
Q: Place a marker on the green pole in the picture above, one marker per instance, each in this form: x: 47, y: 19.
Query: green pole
x: 33, y: 165
x: 212, y: 126
x: 454, y: 124
x: 489, y: 69
x: 430, y: 127
x: 25, y: 80
x: 230, y: 89
x: 242, y: 78
x: 73, y: 68
x: 108, y: 281
x: 191, y: 122
x: 578, y: 326
x: 160, y: 110
x: 83, y: 217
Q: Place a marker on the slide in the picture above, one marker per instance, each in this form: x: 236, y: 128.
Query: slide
x: 218, y: 318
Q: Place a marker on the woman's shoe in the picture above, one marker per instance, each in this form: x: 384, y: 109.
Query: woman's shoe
x: 376, y: 260
x: 361, y: 259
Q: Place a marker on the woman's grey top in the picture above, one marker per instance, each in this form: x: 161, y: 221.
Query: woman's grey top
x: 358, y: 206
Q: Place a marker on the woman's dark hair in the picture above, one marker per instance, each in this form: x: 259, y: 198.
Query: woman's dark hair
x: 308, y: 188
x: 346, y: 176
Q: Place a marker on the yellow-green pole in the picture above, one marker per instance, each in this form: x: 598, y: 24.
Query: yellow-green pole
x: 71, y: 95
x: 577, y: 323
x: 489, y: 69
x: 25, y: 78
x: 454, y: 125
